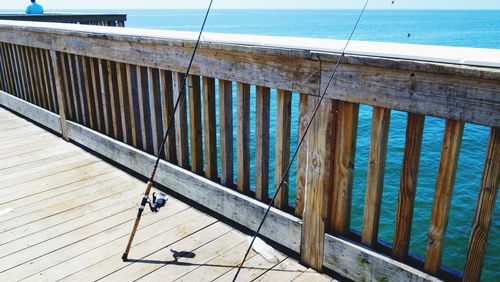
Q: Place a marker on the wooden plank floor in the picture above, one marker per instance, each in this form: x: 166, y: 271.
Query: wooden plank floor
x: 66, y: 215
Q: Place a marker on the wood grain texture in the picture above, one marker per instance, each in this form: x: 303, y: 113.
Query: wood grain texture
x: 14, y: 72
x: 243, y: 137
x: 24, y: 61
x: 81, y: 89
x: 488, y: 191
x: 209, y: 122
x: 360, y: 264
x: 35, y: 79
x: 3, y: 85
x: 141, y: 80
x: 343, y: 166
x: 9, y: 67
x: 20, y: 71
x: 34, y: 97
x: 89, y: 98
x: 3, y: 71
x: 17, y: 76
x: 300, y: 181
x: 42, y: 116
x: 196, y: 129
x: 416, y: 91
x: 282, y: 146
x: 181, y: 128
x: 63, y: 66
x: 6, y: 69
x: 37, y: 98
x: 381, y: 118
x: 167, y: 106
x: 318, y: 182
x: 32, y: 75
x: 131, y: 91
x: 8, y: 61
x: 47, y: 80
x: 116, y: 119
x: 50, y: 82
x: 123, y: 99
x: 29, y: 73
x: 43, y: 91
x: 408, y: 185
x: 73, y: 86
x: 59, y: 92
x: 106, y: 109
x: 155, y: 112
x: 96, y: 91
x: 442, y: 195
x: 262, y: 109
x: 296, y: 74
x: 226, y: 131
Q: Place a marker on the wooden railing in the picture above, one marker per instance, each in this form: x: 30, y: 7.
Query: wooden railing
x: 76, y: 18
x: 114, y: 92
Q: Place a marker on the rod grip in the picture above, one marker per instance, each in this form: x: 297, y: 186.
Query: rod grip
x: 136, y: 223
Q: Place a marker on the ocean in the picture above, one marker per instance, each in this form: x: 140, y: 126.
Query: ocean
x: 471, y: 28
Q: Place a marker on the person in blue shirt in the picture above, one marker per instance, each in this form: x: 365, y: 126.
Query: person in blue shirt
x: 34, y: 9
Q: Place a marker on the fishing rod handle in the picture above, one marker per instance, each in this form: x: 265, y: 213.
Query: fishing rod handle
x: 138, y: 219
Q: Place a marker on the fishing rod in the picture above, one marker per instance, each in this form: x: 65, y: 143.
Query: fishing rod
x: 160, y: 199
x: 316, y: 108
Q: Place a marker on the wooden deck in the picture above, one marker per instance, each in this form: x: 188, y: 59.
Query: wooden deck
x: 65, y: 214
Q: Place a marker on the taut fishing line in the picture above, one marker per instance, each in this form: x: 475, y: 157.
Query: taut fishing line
x: 301, y: 139
x: 159, y: 199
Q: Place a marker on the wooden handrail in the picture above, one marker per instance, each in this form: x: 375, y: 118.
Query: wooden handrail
x: 423, y: 87
x: 120, y: 85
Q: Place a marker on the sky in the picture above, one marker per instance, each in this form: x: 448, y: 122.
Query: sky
x: 254, y: 4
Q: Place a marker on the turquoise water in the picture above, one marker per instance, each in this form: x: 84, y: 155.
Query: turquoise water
x: 451, y: 28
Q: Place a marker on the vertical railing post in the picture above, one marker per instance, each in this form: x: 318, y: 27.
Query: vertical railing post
x: 60, y: 97
x: 343, y: 167
x: 408, y: 185
x: 282, y: 146
x: 317, y: 182
x: 375, y: 177
x: 442, y: 195
x: 484, y: 208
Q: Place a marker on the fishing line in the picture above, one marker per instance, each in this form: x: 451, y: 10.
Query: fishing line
x: 159, y: 201
x: 301, y: 139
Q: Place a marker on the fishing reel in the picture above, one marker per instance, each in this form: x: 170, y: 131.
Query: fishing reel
x: 158, y: 202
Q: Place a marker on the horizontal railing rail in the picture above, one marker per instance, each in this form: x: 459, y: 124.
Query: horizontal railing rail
x: 249, y: 98
x: 76, y: 18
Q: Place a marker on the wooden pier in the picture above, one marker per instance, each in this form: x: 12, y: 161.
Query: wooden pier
x: 75, y: 18
x: 112, y: 90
